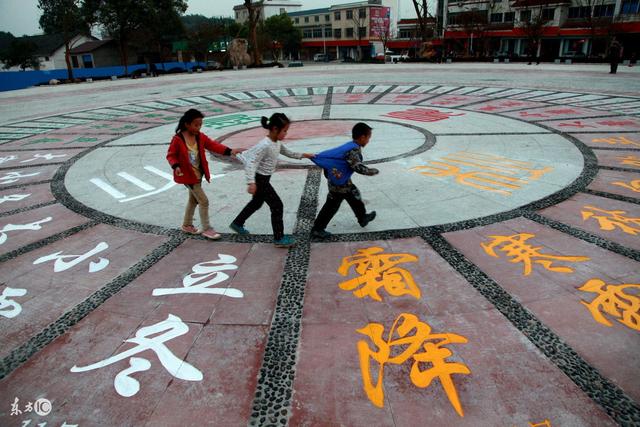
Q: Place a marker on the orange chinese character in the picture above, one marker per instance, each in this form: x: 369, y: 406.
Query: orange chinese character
x: 613, y: 301
x: 407, y: 346
x: 377, y: 270
x: 622, y: 140
x: 633, y: 185
x: 616, y: 220
x: 630, y: 160
x: 515, y: 246
x: 545, y: 423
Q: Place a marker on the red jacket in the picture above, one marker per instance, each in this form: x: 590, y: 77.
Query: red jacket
x: 178, y: 155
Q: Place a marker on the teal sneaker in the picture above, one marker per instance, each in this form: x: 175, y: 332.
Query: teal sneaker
x: 238, y: 228
x: 285, y: 242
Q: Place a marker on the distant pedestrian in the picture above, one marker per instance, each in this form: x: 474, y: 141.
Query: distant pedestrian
x: 615, y: 50
x: 260, y: 163
x: 339, y: 164
x: 153, y: 69
x: 187, y: 157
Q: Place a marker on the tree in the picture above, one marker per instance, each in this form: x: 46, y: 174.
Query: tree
x: 282, y: 34
x: 422, y: 14
x: 360, y: 21
x: 254, y: 9
x: 533, y: 27
x: 64, y: 17
x: 474, y: 22
x: 20, y: 53
x: 124, y: 20
x: 201, y: 33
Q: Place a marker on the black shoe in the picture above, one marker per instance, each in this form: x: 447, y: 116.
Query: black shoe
x: 320, y: 234
x: 367, y: 219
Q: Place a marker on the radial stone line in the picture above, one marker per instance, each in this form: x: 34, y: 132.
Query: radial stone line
x: 272, y: 401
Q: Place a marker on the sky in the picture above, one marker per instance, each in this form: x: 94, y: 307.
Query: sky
x: 20, y: 17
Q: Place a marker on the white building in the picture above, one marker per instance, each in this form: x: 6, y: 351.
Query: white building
x: 268, y: 9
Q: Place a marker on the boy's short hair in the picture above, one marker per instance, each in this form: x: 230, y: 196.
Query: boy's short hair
x: 360, y: 129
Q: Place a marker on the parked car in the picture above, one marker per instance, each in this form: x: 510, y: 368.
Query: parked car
x: 348, y: 59
x: 214, y: 65
x: 321, y: 57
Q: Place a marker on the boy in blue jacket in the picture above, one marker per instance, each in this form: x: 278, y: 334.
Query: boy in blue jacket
x: 339, y: 164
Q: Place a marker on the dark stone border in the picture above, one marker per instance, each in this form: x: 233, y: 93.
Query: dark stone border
x: 272, y: 401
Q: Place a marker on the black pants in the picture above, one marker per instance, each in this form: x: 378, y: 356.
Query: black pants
x: 264, y: 193
x: 614, y: 67
x: 334, y: 200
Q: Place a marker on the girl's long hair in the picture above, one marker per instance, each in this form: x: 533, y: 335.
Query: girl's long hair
x: 188, y: 117
x: 277, y: 120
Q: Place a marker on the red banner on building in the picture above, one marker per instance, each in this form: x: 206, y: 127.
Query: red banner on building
x: 379, y: 21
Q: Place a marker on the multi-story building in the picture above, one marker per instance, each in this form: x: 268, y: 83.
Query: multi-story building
x: 549, y: 29
x: 266, y: 9
x: 347, y: 30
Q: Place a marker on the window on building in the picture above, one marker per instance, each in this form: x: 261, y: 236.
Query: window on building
x: 74, y: 61
x: 297, y: 20
x: 629, y: 7
x: 603, y: 10
x: 452, y: 19
x: 548, y: 14
x: 336, y: 15
x: 282, y: 11
x: 349, y: 14
x: 337, y: 33
x: 327, y: 18
x: 317, y: 33
x: 362, y: 32
x: 406, y: 34
x: 306, y: 19
x: 87, y: 61
x: 525, y: 15
x: 327, y: 32
x: 316, y: 18
x: 362, y: 13
x: 496, y: 17
x: 579, y: 12
x: 349, y: 33
x: 509, y: 16
x: 306, y: 33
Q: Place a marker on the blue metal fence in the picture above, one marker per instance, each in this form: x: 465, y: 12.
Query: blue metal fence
x: 12, y: 80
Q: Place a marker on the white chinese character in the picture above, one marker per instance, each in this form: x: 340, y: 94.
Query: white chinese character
x: 163, y: 331
x: 13, y: 198
x: 43, y: 156
x: 11, y: 177
x: 204, y: 275
x: 7, y: 159
x: 61, y: 264
x: 15, y: 227
x: 5, y: 302
x: 28, y: 407
x: 64, y: 424
x: 15, y: 407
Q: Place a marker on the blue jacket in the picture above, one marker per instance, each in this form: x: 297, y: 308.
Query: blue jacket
x: 333, y: 161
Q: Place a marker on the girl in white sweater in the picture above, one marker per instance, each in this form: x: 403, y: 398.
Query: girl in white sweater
x: 259, y: 164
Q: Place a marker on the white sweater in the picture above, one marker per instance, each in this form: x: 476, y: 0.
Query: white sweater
x: 262, y: 158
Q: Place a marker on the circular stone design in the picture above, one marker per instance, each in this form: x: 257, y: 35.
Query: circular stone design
x: 480, y: 165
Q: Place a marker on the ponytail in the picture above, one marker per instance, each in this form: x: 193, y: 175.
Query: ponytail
x: 277, y: 120
x: 189, y: 116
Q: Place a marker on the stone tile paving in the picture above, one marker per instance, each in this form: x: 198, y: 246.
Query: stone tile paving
x: 238, y: 332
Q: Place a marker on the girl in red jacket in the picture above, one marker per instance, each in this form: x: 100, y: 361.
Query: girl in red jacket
x: 187, y: 158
